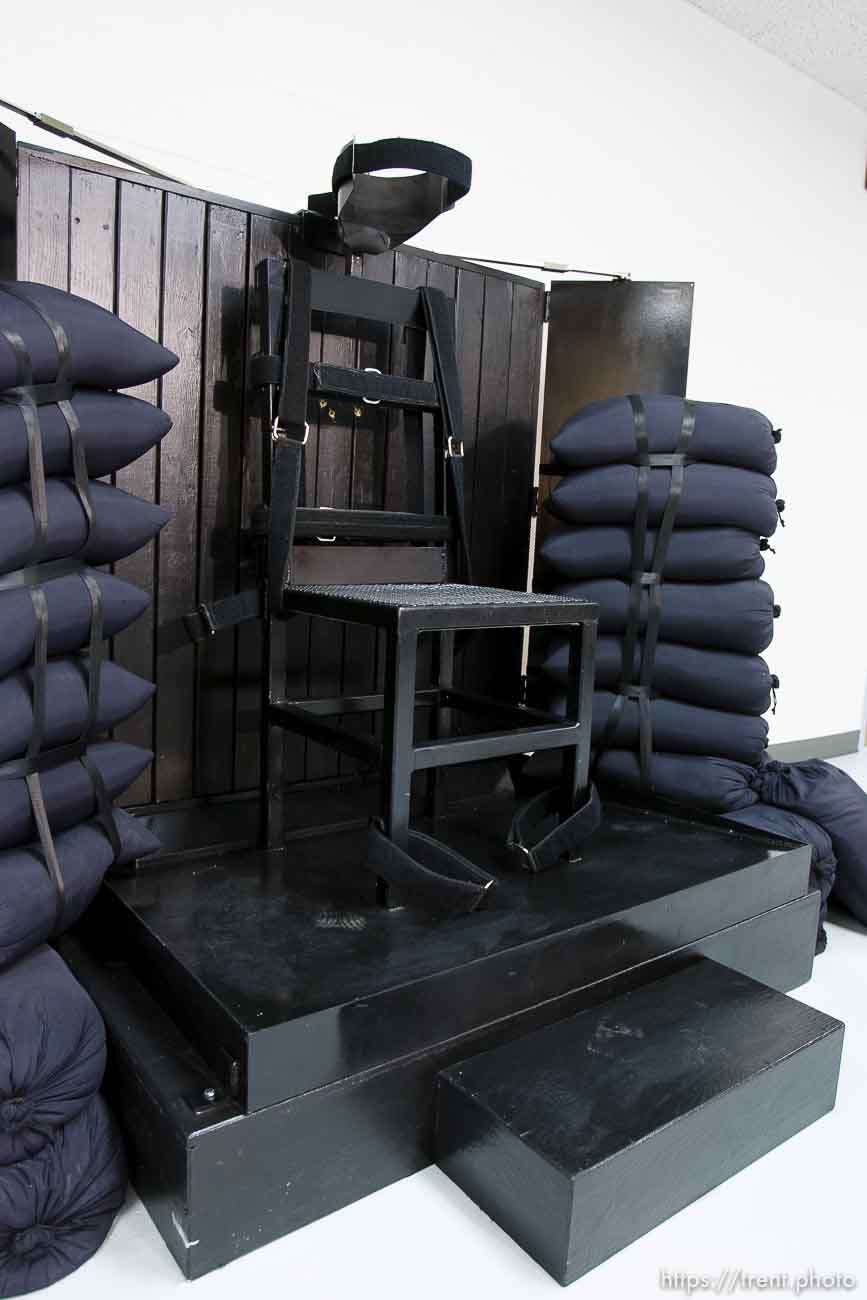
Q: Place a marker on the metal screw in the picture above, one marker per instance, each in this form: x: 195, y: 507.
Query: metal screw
x: 209, y: 1094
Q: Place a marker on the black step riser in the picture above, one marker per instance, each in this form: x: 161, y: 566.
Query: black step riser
x: 581, y: 1137
x: 222, y: 1184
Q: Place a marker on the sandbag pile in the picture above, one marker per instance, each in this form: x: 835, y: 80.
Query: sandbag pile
x: 62, y: 1175
x: 665, y: 510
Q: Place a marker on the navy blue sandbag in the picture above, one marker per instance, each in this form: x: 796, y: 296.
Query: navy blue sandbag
x: 791, y: 826
x: 715, y: 679
x: 68, y: 791
x: 52, y: 1052
x: 120, y: 694
x: 699, y: 781
x: 603, y: 433
x: 736, y: 616
x: 114, y: 431
x: 694, y: 554
x: 69, y: 616
x: 714, y: 496
x: 57, y: 1207
x: 830, y: 797
x: 683, y: 728
x: 27, y: 893
x: 121, y: 524
x: 104, y: 351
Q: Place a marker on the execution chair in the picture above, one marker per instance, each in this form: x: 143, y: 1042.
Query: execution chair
x: 396, y: 571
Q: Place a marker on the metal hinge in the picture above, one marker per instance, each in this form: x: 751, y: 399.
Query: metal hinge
x: 546, y: 313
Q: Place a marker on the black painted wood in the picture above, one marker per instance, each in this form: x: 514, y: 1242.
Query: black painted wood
x: 179, y: 264
x: 285, y: 964
x: 8, y: 203
x: 220, y: 1183
x: 582, y: 1136
x: 604, y: 339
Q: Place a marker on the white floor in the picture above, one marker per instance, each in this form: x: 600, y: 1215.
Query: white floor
x: 801, y: 1208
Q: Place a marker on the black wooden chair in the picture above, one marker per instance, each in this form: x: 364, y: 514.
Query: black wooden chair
x: 395, y: 571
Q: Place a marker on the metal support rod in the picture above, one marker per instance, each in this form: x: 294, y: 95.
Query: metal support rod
x: 500, y: 744
x: 54, y: 126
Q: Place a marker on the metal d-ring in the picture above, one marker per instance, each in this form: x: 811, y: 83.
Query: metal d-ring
x: 371, y: 401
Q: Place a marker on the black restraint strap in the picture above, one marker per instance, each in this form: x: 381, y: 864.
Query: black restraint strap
x: 402, y: 152
x: 639, y: 540
x: 433, y: 874
x: 647, y: 579
x: 440, y: 324
x: 215, y: 616
x: 288, y: 439
x: 370, y: 385
x: 542, y: 838
x: 290, y: 430
x: 663, y: 538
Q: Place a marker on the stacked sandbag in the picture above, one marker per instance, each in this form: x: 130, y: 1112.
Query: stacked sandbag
x: 62, y: 1175
x: 664, y: 510
x: 664, y: 514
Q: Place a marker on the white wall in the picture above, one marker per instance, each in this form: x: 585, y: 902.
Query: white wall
x: 634, y: 135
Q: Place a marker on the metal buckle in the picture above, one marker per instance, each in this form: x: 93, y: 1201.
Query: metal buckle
x: 203, y: 612
x: 371, y: 370
x: 280, y: 435
x: 517, y: 846
x: 454, y: 447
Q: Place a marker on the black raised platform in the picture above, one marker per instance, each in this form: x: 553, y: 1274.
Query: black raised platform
x: 287, y: 976
x: 579, y: 1138
x: 321, y: 1020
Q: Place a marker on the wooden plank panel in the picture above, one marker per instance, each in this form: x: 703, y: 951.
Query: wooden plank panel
x: 268, y: 238
x: 139, y: 294
x: 45, y: 249
x: 404, y: 487
x: 183, y: 269
x: 489, y: 523
x: 92, y: 230
x: 519, y: 445
x: 219, y: 499
x: 22, y: 216
x: 201, y: 551
x: 468, y: 328
x: 333, y: 485
x: 520, y: 433
x: 360, y: 659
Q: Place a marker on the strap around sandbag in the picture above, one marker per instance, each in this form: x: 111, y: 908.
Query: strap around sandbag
x: 650, y: 580
x: 28, y: 397
x: 431, y: 873
x: 542, y: 838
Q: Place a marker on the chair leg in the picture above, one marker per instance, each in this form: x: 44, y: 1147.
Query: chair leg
x: 443, y: 717
x: 272, y: 812
x: 579, y: 704
x: 397, y: 739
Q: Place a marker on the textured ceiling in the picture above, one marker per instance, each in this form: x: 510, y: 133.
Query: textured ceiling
x: 827, y: 39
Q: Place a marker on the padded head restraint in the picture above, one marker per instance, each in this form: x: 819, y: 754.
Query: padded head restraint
x: 376, y: 213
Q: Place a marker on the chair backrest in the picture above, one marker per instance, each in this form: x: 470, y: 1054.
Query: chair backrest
x: 354, y: 545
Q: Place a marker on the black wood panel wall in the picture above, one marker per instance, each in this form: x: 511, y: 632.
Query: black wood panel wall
x: 179, y: 265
